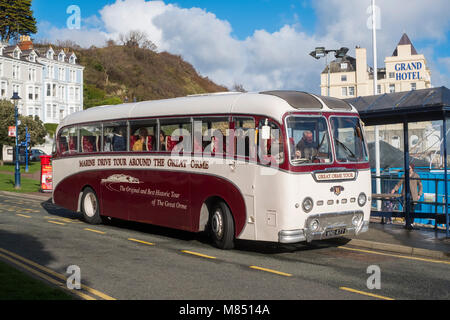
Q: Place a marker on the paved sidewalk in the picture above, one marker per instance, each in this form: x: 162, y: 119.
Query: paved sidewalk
x: 421, y: 241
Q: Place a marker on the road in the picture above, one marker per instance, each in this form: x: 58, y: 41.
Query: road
x: 123, y: 260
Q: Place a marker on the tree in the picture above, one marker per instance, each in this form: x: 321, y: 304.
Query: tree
x: 35, y: 126
x: 16, y: 18
x: 137, y: 39
x: 238, y: 88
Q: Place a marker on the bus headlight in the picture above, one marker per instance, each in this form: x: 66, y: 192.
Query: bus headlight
x: 362, y: 199
x: 307, y: 205
x: 314, y: 225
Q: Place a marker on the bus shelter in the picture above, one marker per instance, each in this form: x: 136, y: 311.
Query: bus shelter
x: 413, y: 130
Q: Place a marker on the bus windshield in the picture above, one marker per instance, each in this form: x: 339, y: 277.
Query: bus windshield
x: 348, y: 139
x: 309, y: 141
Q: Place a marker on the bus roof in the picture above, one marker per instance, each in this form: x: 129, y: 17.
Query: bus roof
x: 273, y: 104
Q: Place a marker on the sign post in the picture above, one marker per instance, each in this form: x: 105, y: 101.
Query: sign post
x: 46, y: 174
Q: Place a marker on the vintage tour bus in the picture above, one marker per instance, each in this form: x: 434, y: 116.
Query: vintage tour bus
x: 279, y: 166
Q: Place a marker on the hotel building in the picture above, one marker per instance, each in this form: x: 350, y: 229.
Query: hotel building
x: 50, y: 83
x: 351, y: 77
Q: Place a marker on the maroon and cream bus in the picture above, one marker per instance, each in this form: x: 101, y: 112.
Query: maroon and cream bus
x: 280, y: 166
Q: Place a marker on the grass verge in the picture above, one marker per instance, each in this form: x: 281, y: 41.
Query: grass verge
x: 16, y: 285
x: 32, y: 167
x: 27, y: 185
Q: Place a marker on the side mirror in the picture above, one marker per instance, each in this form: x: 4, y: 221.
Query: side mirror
x: 265, y: 132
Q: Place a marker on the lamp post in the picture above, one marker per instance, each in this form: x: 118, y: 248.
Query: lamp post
x: 321, y: 52
x: 15, y: 98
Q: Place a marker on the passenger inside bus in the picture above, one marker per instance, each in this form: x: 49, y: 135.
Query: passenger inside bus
x: 162, y: 141
x: 118, y: 140
x: 140, y: 144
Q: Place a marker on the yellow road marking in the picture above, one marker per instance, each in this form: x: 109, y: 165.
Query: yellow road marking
x: 60, y: 223
x: 23, y: 215
x: 140, y: 241
x: 45, y: 277
x: 396, y: 255
x: 365, y: 293
x: 198, y: 254
x: 272, y: 271
x: 49, y: 271
x: 96, y: 231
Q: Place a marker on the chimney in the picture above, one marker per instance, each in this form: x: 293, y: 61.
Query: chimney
x: 25, y: 43
x: 361, y: 64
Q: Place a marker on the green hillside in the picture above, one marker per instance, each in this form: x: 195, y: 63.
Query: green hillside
x: 118, y: 72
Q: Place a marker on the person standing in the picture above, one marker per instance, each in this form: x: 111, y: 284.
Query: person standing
x: 416, y: 188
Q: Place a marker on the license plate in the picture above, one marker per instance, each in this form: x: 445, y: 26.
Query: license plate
x: 335, y: 232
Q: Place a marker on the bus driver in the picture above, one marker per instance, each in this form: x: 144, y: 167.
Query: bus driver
x: 306, y: 148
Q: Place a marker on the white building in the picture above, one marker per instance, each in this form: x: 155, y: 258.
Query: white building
x: 21, y: 72
x: 63, y: 85
x: 49, y: 83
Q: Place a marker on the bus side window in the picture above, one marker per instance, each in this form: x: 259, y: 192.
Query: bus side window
x: 90, y: 138
x: 115, y: 136
x: 245, y: 137
x: 213, y: 137
x: 178, y: 135
x: 68, y: 141
x: 272, y: 149
x: 143, y: 135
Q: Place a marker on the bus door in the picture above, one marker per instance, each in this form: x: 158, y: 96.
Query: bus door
x: 242, y: 169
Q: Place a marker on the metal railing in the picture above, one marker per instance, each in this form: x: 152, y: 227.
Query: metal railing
x: 431, y: 208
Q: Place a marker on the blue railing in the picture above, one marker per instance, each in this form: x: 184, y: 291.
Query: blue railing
x: 429, y: 209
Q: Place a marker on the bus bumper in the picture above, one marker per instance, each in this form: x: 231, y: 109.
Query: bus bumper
x: 327, y: 226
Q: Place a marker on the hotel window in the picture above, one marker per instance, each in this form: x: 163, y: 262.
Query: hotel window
x: 77, y: 94
x: 391, y: 75
x: 3, y: 89
x: 1, y: 69
x: 54, y: 111
x: 30, y: 93
x: 49, y: 111
x: 378, y: 88
x: 413, y: 86
x: 344, y: 65
x: 391, y: 88
x: 344, y: 78
x: 71, y: 93
x: 54, y: 90
x: 61, y: 74
x: 351, y: 91
x: 49, y: 90
x: 344, y: 91
x: 36, y: 93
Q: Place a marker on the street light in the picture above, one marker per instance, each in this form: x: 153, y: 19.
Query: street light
x: 321, y: 52
x: 15, y: 98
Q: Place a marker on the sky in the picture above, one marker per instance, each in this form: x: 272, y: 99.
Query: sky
x: 259, y: 44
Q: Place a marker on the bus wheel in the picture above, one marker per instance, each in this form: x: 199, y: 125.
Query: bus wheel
x: 90, y: 207
x: 222, y: 226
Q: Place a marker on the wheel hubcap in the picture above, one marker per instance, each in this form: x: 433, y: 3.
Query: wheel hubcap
x: 90, y: 205
x: 217, y: 224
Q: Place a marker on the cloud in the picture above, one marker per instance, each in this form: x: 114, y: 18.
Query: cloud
x: 266, y: 60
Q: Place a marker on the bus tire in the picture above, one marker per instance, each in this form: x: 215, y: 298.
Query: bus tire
x: 222, y: 226
x: 90, y: 207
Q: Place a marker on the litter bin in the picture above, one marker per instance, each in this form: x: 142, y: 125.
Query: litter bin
x: 46, y: 174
